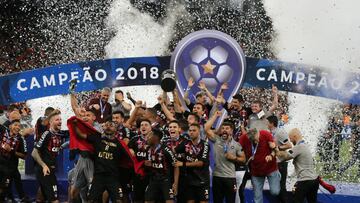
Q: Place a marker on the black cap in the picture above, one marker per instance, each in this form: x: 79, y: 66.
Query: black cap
x: 238, y: 97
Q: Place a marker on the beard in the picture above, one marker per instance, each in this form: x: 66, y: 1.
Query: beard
x: 224, y: 135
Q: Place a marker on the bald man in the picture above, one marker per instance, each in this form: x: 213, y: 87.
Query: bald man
x: 101, y: 106
x: 307, y: 183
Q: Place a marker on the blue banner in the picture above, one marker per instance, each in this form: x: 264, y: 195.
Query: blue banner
x: 93, y: 75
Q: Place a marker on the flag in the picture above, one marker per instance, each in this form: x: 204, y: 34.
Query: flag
x: 77, y: 144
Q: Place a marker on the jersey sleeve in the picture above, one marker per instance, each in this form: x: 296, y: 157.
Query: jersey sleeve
x: 204, y: 155
x: 22, y: 146
x: 239, y: 149
x: 170, y: 155
x: 44, y: 139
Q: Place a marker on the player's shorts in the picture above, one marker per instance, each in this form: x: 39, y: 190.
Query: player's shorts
x: 197, y: 193
x: 159, y: 189
x: 139, y: 187
x: 5, y: 177
x: 83, y: 172
x: 48, y: 184
x: 102, y: 182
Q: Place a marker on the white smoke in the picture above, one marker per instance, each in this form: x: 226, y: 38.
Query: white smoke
x: 138, y: 34
x: 321, y: 33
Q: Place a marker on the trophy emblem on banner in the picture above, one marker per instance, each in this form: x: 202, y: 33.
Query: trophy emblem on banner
x: 212, y: 57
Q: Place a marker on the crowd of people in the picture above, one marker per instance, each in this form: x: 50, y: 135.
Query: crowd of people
x: 342, y: 130
x: 130, y: 152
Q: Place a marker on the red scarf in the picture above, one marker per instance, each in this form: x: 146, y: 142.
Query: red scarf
x: 76, y: 143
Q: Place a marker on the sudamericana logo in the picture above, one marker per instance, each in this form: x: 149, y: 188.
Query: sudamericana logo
x: 212, y: 57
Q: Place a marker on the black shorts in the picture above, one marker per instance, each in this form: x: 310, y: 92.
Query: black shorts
x: 159, y: 189
x: 197, y: 193
x: 105, y: 182
x: 125, y: 180
x: 48, y: 184
x: 5, y: 177
x: 139, y: 187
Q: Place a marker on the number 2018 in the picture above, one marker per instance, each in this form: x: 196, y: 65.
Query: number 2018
x: 132, y: 73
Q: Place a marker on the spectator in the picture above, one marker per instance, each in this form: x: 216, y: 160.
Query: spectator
x: 355, y: 157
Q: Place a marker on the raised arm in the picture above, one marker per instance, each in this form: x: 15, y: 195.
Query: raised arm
x: 186, y: 94
x: 126, y: 105
x: 275, y: 101
x: 132, y: 118
x: 203, y: 87
x: 223, y: 87
x: 128, y: 95
x: 166, y: 111
x: 178, y: 105
x: 74, y: 105
x: 209, y: 132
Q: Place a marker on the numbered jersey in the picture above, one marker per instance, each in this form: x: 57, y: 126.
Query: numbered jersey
x: 108, y: 153
x: 192, y: 153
